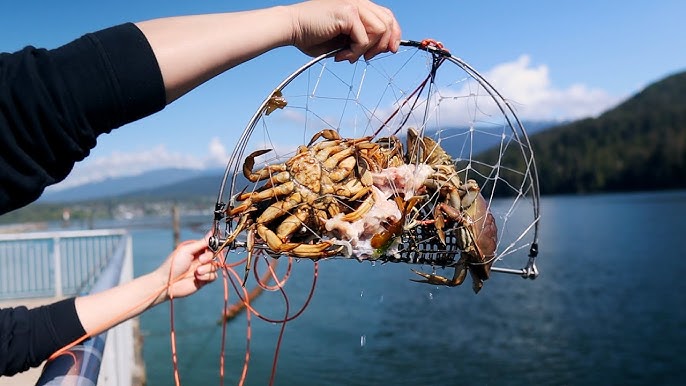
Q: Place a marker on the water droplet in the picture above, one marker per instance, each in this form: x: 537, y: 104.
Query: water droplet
x: 431, y: 296
x: 381, y: 299
x: 363, y: 340
x: 373, y: 263
x: 361, y: 293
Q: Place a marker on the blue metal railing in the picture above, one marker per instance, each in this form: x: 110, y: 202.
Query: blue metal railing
x: 47, y: 264
x: 81, y: 364
x: 58, y: 264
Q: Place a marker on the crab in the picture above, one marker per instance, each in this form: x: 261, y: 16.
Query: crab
x: 323, y: 179
x: 459, y: 208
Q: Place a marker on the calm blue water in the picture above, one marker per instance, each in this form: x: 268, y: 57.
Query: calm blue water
x: 609, y: 308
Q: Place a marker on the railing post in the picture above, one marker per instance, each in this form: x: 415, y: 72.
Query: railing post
x: 86, y: 363
x: 57, y: 259
x: 81, y: 364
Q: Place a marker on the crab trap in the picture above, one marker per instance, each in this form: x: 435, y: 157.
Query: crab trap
x: 412, y: 157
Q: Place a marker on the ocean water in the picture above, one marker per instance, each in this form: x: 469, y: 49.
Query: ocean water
x: 609, y: 308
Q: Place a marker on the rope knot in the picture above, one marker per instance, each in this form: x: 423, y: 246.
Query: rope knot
x: 432, y: 43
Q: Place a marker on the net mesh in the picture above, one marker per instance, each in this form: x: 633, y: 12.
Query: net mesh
x: 420, y: 88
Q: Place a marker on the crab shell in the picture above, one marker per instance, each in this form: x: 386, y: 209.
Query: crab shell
x: 486, y: 238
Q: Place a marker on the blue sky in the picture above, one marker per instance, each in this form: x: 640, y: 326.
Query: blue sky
x: 561, y: 59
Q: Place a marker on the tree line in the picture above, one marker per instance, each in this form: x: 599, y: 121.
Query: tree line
x: 638, y: 145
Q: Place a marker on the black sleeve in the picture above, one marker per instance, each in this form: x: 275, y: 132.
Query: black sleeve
x: 28, y: 337
x: 55, y: 103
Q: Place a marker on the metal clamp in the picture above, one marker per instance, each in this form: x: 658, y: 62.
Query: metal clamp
x: 215, y: 242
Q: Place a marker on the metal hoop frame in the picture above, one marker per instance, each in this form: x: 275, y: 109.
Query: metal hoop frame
x: 529, y: 271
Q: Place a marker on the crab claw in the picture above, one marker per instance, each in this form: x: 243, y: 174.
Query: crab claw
x: 431, y: 279
x: 250, y: 163
x: 329, y: 134
x: 434, y: 279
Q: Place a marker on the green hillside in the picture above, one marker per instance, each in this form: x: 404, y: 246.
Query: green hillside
x: 639, y: 145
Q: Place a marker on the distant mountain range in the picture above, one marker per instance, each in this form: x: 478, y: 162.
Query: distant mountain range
x: 179, y: 184
x: 167, y: 182
x: 638, y: 145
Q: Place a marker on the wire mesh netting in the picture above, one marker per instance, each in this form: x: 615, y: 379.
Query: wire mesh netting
x: 409, y: 157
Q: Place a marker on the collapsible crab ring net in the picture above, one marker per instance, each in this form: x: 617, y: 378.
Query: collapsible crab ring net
x: 410, y: 157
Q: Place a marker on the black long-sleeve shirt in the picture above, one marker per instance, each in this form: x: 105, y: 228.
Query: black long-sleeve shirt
x: 53, y: 106
x: 28, y: 337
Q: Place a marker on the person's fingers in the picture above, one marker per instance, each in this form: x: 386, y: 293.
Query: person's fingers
x: 389, y: 39
x: 205, y: 274
x: 205, y: 268
x: 377, y: 21
x: 381, y: 45
x: 191, y: 254
x: 206, y: 256
x: 371, y: 30
x: 358, y: 37
x: 190, y: 248
x: 197, y: 245
x: 396, y: 34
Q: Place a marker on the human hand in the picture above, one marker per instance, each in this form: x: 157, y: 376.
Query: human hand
x: 362, y: 27
x: 187, y: 269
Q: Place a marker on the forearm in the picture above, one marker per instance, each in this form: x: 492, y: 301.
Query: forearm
x: 192, y: 49
x: 103, y: 310
x: 57, y: 102
x: 185, y: 271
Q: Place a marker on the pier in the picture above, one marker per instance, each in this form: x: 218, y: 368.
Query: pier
x: 39, y: 268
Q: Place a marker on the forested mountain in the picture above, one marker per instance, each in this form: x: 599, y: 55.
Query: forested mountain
x: 639, y: 145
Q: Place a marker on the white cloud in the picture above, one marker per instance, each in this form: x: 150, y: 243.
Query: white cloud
x: 217, y: 153
x: 530, y: 89
x: 293, y: 116
x: 527, y: 87
x: 119, y: 164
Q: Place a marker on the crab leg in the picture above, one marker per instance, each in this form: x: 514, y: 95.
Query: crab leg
x: 351, y: 186
x: 458, y: 277
x: 265, y: 172
x: 276, y: 179
x: 453, y: 213
x: 311, y: 251
x: 358, y: 213
x: 342, y: 168
x: 279, y: 208
x: 249, y: 245
x: 304, y: 251
x: 273, y: 241
x: 323, y: 151
x: 329, y: 134
x: 280, y: 190
x: 242, y: 224
x: 291, y: 224
x: 267, y: 215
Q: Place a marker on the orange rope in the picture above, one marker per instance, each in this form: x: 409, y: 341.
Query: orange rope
x: 228, y: 274
x: 223, y: 339
x: 144, y: 303
x: 64, y: 349
x: 433, y: 44
x: 233, y: 311
x: 172, y: 330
